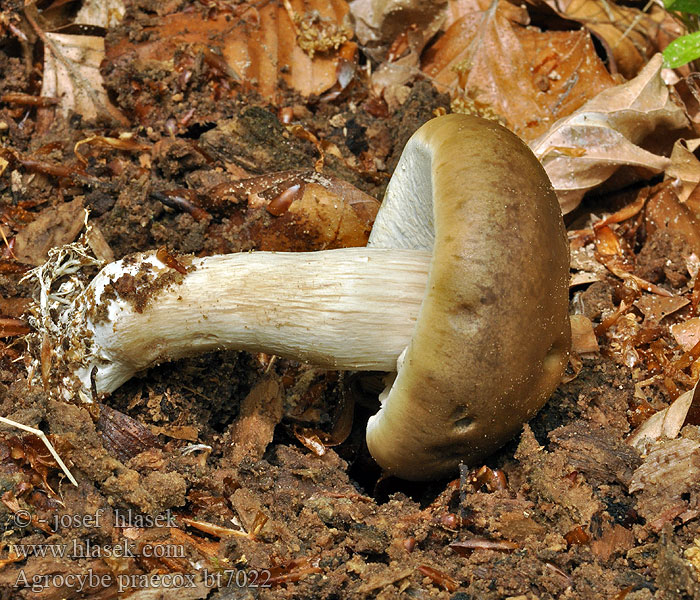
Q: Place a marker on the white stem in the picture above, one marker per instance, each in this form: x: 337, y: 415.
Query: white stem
x: 352, y: 308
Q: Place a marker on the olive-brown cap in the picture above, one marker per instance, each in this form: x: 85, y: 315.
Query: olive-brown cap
x: 492, y: 337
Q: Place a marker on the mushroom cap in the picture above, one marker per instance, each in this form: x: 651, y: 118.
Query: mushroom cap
x: 492, y: 337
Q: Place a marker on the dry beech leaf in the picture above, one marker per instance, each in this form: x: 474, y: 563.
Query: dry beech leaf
x: 379, y: 22
x: 606, y: 131
x: 666, y: 423
x: 256, y: 47
x: 456, y: 9
x: 664, y: 211
x: 655, y: 307
x: 693, y: 203
x: 72, y: 73
x: 490, y: 64
x: 394, y: 32
x: 583, y: 339
x: 584, y: 278
x: 401, y: 66
x: 630, y: 35
x: 481, y: 55
x: 565, y: 68
x: 585, y: 266
x: 688, y: 89
x: 617, y: 256
x: 687, y: 333
x: 684, y: 168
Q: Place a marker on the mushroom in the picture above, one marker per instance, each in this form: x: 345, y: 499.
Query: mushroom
x: 462, y: 291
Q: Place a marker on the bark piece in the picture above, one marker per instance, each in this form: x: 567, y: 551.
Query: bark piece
x: 668, y: 482
x: 599, y: 454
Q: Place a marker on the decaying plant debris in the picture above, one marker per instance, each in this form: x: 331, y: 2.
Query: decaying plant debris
x: 196, y: 128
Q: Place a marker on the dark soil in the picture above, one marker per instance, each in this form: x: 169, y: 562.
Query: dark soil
x: 550, y: 516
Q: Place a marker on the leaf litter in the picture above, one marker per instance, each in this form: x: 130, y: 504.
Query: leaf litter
x: 223, y: 127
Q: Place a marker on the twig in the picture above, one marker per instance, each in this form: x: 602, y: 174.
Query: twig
x: 42, y: 436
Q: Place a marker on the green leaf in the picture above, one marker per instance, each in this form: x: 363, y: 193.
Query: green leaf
x: 682, y: 50
x: 691, y: 7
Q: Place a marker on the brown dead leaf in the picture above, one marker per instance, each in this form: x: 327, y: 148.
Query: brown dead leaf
x: 626, y: 212
x: 295, y: 570
x: 583, y: 278
x: 12, y: 558
x: 72, y: 73
x: 655, y: 307
x: 394, y: 33
x: 380, y: 22
x: 55, y: 226
x: 629, y: 35
x: 609, y: 128
x: 128, y: 144
x: 665, y: 211
x: 687, y: 333
x: 614, y: 252
x: 205, y: 547
x: 688, y: 89
x: 481, y: 59
x: 684, y: 168
x: 255, y: 47
x: 34, y: 454
x: 583, y: 339
x: 666, y: 423
x: 693, y: 201
x: 213, y: 529
x: 492, y: 66
x: 565, y: 69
